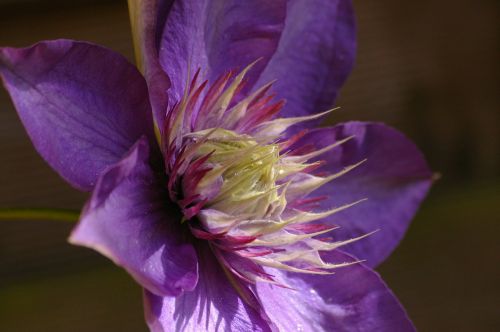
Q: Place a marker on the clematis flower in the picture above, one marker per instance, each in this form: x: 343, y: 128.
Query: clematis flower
x: 209, y: 183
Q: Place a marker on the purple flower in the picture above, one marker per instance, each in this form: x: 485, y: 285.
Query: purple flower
x: 229, y: 216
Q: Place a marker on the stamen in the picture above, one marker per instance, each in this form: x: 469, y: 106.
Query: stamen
x: 240, y: 186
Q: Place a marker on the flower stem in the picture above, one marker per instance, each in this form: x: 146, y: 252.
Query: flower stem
x: 39, y: 214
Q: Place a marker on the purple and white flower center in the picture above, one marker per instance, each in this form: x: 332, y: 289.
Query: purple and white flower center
x: 241, y: 183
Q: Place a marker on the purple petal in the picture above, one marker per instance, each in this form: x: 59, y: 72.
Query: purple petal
x: 129, y: 220
x: 83, y: 106
x: 314, y: 56
x: 214, y: 305
x: 147, y: 18
x: 308, y: 46
x: 217, y: 36
x: 354, y: 299
x: 395, y: 179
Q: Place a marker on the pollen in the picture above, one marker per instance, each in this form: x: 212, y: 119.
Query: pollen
x: 247, y: 172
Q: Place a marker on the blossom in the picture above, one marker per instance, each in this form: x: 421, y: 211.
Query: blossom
x: 209, y: 184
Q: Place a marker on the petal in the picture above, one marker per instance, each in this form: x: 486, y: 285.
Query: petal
x: 395, y: 179
x: 217, y: 36
x: 82, y: 105
x: 314, y: 56
x: 129, y: 220
x: 147, y: 18
x: 354, y: 299
x: 308, y: 46
x: 213, y: 305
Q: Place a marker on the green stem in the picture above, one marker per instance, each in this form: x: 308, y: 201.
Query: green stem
x: 39, y: 214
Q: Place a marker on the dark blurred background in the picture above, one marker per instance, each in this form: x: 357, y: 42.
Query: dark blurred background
x: 429, y: 68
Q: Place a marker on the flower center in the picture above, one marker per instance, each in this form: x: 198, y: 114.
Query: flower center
x: 242, y: 184
x: 243, y: 172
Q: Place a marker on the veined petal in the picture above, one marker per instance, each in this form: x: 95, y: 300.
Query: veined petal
x: 147, y: 18
x: 128, y: 220
x: 219, y: 36
x: 354, y: 299
x: 214, y: 305
x: 228, y: 34
x: 314, y: 56
x: 82, y: 105
x: 395, y: 179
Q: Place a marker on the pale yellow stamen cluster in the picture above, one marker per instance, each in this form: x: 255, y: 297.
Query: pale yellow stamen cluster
x: 247, y: 189
x: 256, y: 184
x: 249, y: 172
